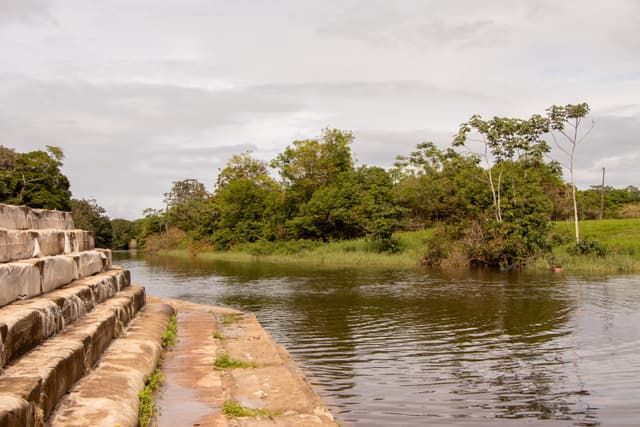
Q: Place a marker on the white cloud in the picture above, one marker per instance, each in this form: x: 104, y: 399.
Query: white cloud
x: 143, y: 93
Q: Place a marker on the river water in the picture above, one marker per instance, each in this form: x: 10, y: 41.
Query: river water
x: 413, y: 348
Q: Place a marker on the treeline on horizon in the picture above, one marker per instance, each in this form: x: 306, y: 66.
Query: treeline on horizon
x: 492, y: 195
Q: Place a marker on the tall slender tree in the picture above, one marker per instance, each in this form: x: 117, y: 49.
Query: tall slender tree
x: 565, y: 124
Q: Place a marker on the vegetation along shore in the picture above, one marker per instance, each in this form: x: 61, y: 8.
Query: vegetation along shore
x: 493, y: 198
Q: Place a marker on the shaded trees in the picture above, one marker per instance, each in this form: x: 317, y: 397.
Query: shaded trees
x: 88, y: 215
x: 34, y: 179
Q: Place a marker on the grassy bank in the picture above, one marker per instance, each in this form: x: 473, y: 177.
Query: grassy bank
x: 621, y: 238
x: 359, y: 252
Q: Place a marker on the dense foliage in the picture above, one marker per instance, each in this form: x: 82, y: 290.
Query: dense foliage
x: 34, y: 179
x: 491, y: 196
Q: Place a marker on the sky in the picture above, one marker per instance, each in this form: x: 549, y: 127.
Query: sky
x: 142, y: 93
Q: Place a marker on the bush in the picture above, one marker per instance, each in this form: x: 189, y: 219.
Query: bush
x: 588, y: 247
x: 438, y: 248
x: 173, y: 238
x: 630, y: 211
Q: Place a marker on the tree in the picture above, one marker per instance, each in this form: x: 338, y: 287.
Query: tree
x: 566, y: 121
x: 88, y: 215
x: 515, y: 174
x: 34, y: 179
x: 503, y: 141
x: 312, y: 163
x: 247, y: 201
x: 185, y: 204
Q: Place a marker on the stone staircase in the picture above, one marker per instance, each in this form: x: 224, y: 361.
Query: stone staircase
x: 77, y: 340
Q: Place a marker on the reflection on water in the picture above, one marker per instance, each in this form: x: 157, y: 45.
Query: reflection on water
x: 413, y: 348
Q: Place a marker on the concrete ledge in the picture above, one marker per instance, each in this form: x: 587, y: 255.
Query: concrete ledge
x: 16, y: 245
x: 57, y: 364
x: 24, y: 218
x: 19, y: 280
x: 31, y: 277
x: 108, y: 396
x: 26, y: 324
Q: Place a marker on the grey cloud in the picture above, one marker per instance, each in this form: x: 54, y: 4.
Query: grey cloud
x: 24, y: 10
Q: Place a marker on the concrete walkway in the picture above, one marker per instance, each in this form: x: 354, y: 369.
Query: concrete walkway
x: 195, y: 391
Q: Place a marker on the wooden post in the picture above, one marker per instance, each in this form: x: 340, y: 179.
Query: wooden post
x: 602, y: 197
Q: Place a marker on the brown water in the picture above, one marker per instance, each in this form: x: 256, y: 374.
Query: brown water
x: 413, y: 348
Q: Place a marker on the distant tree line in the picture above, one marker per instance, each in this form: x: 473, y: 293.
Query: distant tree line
x: 491, y: 195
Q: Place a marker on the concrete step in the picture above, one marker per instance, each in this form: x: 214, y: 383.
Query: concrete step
x: 275, y: 383
x: 108, y: 396
x: 41, y: 377
x: 29, y: 278
x: 16, y: 245
x: 26, y: 324
x: 24, y: 218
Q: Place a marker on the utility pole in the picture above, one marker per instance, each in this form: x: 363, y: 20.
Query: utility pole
x: 602, y: 197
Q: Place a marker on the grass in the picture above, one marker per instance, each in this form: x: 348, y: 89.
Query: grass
x: 228, y: 319
x: 232, y: 409
x: 224, y: 361
x: 146, y: 397
x: 621, y: 238
x: 349, y: 253
x: 170, y: 336
x: 217, y: 335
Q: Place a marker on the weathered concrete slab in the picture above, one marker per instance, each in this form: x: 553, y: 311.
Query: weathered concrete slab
x: 18, y: 245
x: 250, y: 342
x: 80, y: 240
x: 43, y: 218
x: 14, y: 217
x: 194, y: 393
x: 58, y: 363
x: 17, y: 412
x: 90, y: 262
x: 19, y: 280
x: 26, y: 324
x: 58, y: 271
x: 108, y: 396
x: 23, y: 218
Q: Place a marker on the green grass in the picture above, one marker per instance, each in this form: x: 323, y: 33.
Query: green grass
x: 170, y: 336
x: 349, y: 253
x: 146, y: 397
x: 217, y: 335
x: 620, y: 237
x: 228, y: 319
x: 224, y: 361
x: 232, y: 409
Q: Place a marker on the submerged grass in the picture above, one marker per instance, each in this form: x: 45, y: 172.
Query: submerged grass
x: 621, y: 238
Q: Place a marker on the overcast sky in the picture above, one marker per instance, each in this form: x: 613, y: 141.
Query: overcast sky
x: 140, y: 93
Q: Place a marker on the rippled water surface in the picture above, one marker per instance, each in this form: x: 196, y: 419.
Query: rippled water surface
x: 413, y: 348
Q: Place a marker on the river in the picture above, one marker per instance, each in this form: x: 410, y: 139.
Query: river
x: 413, y: 348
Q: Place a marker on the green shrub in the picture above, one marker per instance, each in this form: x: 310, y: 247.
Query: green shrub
x: 588, y: 247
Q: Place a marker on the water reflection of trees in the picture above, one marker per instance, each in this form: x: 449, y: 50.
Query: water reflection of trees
x: 491, y: 340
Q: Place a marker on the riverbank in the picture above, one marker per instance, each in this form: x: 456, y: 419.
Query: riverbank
x: 226, y: 370
x: 620, y: 237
